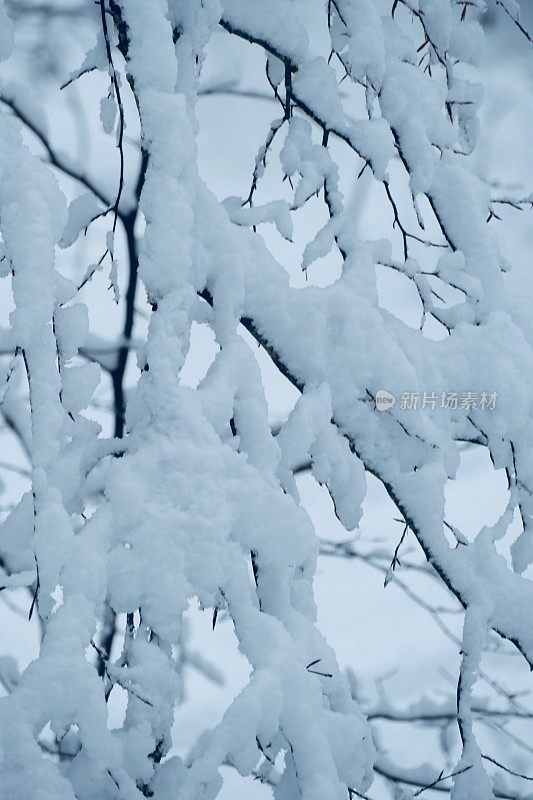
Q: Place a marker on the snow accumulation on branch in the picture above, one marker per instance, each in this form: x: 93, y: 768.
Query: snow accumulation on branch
x: 200, y: 499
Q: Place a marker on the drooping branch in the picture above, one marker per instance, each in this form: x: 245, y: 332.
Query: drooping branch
x: 56, y: 160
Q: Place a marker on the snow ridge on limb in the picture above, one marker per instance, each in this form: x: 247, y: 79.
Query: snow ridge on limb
x: 195, y: 499
x: 413, y: 92
x: 47, y: 334
x: 390, y: 446
x: 202, y: 502
x: 422, y: 110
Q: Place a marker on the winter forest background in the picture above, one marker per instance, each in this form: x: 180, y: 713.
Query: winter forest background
x: 328, y: 199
